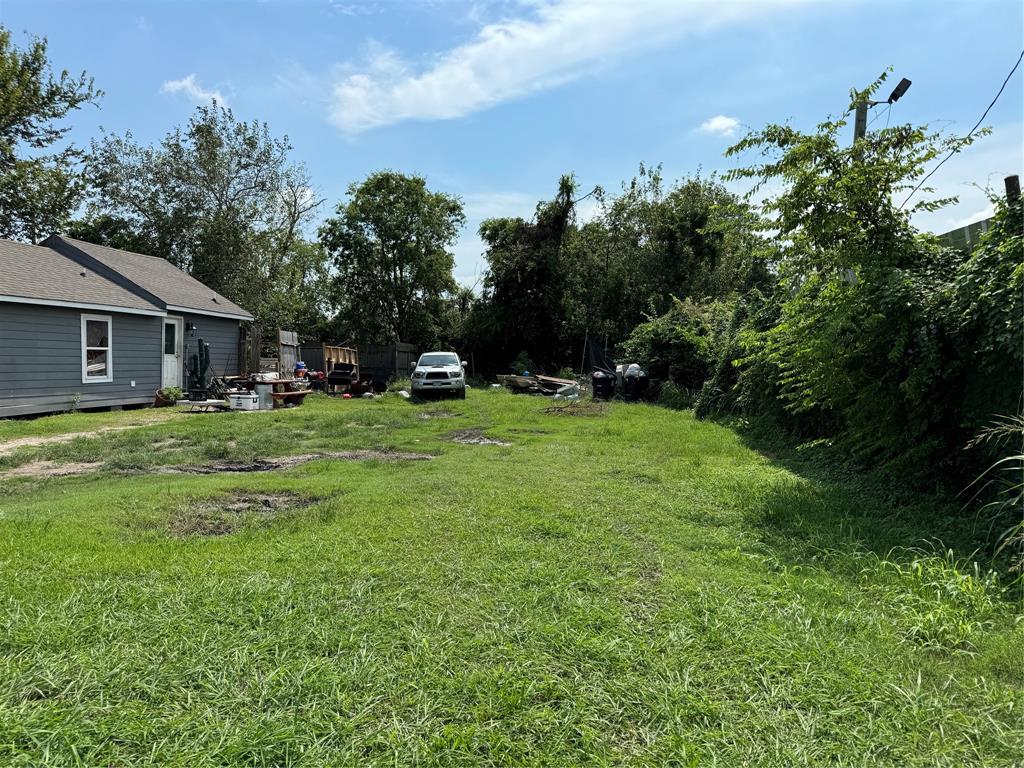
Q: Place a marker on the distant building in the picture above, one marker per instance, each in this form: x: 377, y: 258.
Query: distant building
x: 966, y: 238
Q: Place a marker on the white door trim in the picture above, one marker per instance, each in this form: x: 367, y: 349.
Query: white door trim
x: 179, y: 337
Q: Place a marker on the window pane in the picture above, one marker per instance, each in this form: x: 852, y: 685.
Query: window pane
x: 170, y: 342
x: 96, y: 333
x: 438, y: 359
x: 96, y: 363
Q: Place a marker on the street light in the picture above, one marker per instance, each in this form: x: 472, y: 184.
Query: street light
x: 860, y: 123
x: 899, y: 90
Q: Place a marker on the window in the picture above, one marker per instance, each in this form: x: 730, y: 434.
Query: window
x: 438, y: 358
x: 97, y: 365
x: 170, y: 338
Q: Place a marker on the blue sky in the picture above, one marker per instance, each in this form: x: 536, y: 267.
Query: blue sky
x: 493, y: 101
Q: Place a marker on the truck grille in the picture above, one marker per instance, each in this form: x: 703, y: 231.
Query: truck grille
x: 437, y: 375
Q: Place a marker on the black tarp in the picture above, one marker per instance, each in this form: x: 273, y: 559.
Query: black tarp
x: 596, y: 359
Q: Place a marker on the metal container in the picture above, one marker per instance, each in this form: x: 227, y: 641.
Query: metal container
x: 264, y: 392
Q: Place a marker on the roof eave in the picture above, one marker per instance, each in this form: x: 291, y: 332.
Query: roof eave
x: 210, y: 312
x: 155, y: 312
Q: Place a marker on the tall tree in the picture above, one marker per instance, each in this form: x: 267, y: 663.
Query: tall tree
x: 861, y: 350
x: 524, y: 288
x: 391, y: 246
x: 650, y: 244
x: 218, y: 198
x: 40, y: 184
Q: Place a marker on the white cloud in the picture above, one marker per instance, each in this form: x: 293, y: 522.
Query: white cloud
x: 191, y: 88
x: 561, y: 41
x: 720, y: 125
x: 363, y: 8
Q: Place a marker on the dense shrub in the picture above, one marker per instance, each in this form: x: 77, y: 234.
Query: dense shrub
x: 680, y: 345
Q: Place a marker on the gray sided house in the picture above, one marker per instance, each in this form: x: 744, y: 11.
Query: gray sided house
x: 87, y: 326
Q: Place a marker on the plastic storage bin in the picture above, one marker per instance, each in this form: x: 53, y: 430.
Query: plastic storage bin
x: 244, y: 401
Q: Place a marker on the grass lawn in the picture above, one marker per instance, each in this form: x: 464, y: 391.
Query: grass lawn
x: 626, y: 587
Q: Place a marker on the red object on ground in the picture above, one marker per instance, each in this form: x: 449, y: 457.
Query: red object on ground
x: 346, y: 396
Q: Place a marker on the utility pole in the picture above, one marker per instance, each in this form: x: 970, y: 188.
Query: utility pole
x: 1012, y: 184
x: 860, y: 122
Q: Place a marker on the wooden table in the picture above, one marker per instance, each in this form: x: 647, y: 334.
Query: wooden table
x: 284, y: 391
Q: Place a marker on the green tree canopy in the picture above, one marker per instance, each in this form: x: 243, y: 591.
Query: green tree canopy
x: 220, y: 199
x: 391, y: 248
x: 862, y: 349
x: 40, y: 184
x: 524, y: 288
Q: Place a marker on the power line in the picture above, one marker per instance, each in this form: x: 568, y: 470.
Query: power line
x: 879, y: 114
x: 969, y: 133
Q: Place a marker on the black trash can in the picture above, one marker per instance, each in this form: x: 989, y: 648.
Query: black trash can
x: 603, y: 384
x: 635, y: 387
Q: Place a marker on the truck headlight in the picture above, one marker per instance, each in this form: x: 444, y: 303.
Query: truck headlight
x: 454, y: 374
x: 418, y: 374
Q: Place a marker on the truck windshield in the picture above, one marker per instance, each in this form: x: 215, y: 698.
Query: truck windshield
x: 439, y: 358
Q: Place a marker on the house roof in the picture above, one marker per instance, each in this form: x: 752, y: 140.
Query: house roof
x: 158, y: 277
x: 33, y: 274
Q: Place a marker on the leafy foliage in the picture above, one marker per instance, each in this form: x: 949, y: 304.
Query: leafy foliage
x: 985, y: 314
x: 40, y: 185
x: 219, y: 199
x: 862, y: 350
x: 552, y: 282
x: 679, y: 345
x: 391, y: 247
x: 523, y: 291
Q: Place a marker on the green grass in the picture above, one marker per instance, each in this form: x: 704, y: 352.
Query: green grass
x: 632, y: 587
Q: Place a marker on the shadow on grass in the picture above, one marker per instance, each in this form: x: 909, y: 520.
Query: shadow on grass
x: 820, y: 508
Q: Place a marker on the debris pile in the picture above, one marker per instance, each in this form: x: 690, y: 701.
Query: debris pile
x: 541, y: 385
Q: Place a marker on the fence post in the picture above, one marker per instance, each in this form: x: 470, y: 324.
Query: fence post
x: 1012, y: 184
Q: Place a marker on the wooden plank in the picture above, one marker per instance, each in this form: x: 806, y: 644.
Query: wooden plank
x: 554, y: 381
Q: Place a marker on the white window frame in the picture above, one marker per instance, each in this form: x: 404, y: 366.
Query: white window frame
x: 86, y: 379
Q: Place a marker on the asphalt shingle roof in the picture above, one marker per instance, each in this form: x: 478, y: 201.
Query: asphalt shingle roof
x: 161, y: 278
x: 36, y: 272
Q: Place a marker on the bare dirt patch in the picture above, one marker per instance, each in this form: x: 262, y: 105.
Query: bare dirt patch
x: 215, y: 517
x: 10, y: 446
x: 577, y: 409
x: 168, y: 444
x: 474, y: 437
x: 441, y: 413
x: 287, y: 462
x: 38, y: 469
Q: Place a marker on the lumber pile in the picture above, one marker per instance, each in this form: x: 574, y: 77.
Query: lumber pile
x: 538, y: 385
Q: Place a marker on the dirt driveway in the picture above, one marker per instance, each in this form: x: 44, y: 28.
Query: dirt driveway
x: 153, y: 417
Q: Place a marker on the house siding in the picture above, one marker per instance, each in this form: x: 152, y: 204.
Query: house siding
x: 41, y: 360
x: 222, y: 335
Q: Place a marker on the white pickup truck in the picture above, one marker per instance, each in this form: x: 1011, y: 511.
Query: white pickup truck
x: 439, y: 373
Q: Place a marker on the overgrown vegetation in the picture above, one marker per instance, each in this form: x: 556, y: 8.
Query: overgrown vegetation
x: 632, y: 587
x: 821, y: 314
